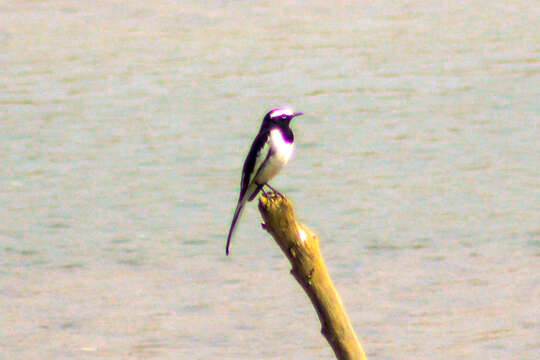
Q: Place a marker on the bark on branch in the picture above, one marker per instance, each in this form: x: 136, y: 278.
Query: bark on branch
x: 301, y: 246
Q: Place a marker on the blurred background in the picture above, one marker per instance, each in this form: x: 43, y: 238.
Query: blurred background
x: 123, y: 130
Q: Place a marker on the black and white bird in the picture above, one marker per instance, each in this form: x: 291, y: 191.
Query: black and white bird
x: 270, y: 151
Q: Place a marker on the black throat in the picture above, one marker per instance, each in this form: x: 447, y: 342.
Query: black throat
x: 288, y: 134
x: 283, y: 126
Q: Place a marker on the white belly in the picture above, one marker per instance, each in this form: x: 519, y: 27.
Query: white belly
x: 282, y: 152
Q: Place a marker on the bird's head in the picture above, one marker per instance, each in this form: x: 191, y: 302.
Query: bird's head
x: 281, y: 115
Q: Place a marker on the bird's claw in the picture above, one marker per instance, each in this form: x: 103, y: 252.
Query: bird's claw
x: 275, y: 192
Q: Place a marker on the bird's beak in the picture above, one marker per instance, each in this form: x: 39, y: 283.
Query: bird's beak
x: 297, y: 114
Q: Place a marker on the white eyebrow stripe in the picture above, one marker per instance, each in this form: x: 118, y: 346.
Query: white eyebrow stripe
x: 282, y: 111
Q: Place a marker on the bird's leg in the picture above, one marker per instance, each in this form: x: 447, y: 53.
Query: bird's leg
x: 261, y: 187
x: 274, y: 190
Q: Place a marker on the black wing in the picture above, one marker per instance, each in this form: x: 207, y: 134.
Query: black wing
x: 253, y: 155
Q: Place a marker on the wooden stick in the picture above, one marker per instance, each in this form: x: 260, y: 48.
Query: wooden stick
x: 301, y: 246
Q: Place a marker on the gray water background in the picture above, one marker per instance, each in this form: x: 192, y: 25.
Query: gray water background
x: 123, y: 128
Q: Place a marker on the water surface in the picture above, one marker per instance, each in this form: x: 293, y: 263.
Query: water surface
x: 123, y: 127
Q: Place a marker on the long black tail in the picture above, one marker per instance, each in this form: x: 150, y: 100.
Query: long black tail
x: 237, y: 213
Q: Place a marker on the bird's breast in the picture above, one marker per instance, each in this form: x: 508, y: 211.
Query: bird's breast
x: 281, y: 148
x: 281, y: 151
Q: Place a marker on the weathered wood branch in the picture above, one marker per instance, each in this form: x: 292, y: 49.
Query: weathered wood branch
x: 301, y: 246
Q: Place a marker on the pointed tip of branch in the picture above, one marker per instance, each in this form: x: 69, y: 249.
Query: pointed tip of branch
x: 263, y: 201
x: 273, y: 201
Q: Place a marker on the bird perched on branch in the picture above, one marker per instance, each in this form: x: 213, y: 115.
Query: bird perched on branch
x: 270, y: 151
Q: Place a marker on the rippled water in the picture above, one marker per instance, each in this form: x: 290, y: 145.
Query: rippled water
x: 123, y: 127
